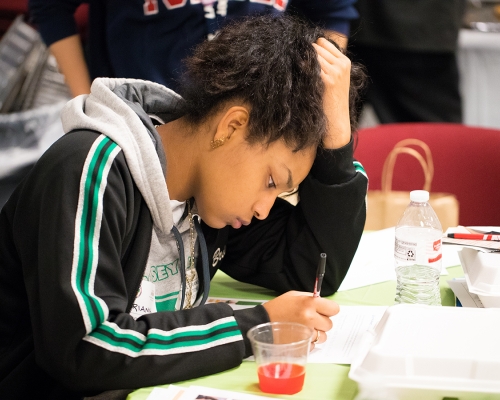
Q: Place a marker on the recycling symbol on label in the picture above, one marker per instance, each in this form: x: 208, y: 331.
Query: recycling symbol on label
x: 410, y: 254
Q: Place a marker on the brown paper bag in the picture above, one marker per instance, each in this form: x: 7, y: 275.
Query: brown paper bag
x: 385, y: 207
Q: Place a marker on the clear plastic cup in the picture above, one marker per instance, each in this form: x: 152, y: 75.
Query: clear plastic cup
x: 280, y: 350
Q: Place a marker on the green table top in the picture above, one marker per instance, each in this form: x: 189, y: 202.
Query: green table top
x: 323, y: 381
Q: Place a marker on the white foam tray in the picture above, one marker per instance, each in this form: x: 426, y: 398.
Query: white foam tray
x: 482, y: 274
x: 425, y: 352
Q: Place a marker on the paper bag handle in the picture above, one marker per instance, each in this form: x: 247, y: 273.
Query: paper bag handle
x: 424, y: 147
x: 400, y: 147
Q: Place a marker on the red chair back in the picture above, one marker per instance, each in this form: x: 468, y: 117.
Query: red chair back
x: 466, y: 163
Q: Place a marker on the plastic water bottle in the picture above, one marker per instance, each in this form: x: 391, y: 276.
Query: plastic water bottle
x: 417, y: 252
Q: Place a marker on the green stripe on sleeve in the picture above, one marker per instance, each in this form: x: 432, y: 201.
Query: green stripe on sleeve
x: 87, y: 229
x: 157, y: 342
x: 359, y: 168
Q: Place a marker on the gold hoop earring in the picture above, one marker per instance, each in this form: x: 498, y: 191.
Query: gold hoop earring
x: 218, y: 142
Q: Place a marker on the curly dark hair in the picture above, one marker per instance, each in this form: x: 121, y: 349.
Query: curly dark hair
x: 269, y: 63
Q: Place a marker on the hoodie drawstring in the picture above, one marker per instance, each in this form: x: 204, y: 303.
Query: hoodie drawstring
x: 180, y: 247
x: 204, y: 260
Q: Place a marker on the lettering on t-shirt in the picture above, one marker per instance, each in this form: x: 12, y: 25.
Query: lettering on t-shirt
x: 161, y: 272
x: 151, y: 7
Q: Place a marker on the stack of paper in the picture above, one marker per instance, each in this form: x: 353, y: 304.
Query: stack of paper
x: 467, y: 237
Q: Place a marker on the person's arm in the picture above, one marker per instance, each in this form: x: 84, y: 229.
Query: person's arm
x: 71, y: 61
x: 335, y: 72
x: 282, y: 251
x: 56, y: 23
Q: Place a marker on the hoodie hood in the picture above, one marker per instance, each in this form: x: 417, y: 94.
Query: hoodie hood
x: 122, y: 109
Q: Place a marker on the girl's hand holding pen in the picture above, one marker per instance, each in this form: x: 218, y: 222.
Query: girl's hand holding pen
x: 302, y: 307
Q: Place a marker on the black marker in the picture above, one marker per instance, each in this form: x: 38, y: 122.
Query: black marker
x: 320, y: 273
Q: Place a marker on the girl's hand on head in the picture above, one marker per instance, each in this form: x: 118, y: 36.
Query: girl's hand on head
x: 303, y: 308
x: 336, y: 75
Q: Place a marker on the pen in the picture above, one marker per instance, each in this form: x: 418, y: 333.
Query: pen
x: 473, y: 236
x: 320, y: 273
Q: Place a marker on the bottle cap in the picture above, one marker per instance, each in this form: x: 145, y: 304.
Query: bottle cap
x: 419, y: 196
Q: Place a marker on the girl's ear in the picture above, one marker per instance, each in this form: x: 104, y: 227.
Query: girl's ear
x: 233, y: 122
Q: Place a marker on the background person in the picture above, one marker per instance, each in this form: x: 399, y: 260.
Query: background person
x: 148, y: 39
x: 408, y: 48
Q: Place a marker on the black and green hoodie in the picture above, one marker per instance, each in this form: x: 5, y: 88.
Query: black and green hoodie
x: 93, y: 219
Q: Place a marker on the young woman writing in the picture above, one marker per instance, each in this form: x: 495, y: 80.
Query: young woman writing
x: 108, y: 246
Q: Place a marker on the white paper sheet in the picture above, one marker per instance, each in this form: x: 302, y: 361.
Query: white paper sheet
x: 197, y: 392
x: 374, y: 260
x: 484, y: 229
x: 461, y: 291
x: 345, y: 338
x: 171, y: 393
x: 201, y: 392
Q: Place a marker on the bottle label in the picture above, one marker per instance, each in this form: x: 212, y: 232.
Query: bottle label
x: 436, y: 253
x: 405, y: 251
